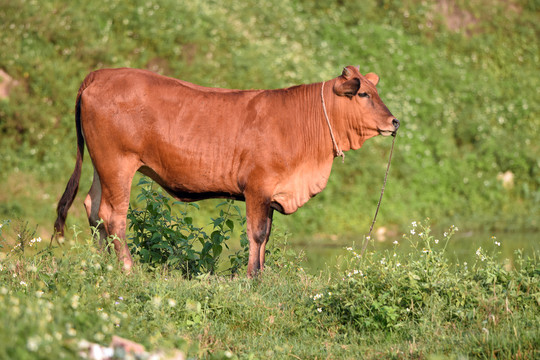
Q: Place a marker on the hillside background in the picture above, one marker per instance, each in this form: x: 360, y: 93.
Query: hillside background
x: 462, y: 76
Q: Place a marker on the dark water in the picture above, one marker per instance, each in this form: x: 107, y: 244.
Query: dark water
x: 323, y: 254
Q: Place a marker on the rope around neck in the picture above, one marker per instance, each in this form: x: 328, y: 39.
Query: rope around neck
x: 338, y: 151
x: 366, y: 239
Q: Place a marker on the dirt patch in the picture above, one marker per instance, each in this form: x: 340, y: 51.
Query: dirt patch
x: 159, y: 65
x: 456, y: 19
x: 7, y: 83
x: 189, y: 52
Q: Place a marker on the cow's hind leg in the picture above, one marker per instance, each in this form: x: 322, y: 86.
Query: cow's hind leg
x: 259, y: 224
x: 91, y: 203
x: 113, y: 208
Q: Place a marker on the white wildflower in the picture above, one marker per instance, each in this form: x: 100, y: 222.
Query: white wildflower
x: 70, y: 330
x: 319, y: 309
x: 480, y: 255
x: 395, y: 242
x: 156, y: 301
x: 75, y: 301
x: 414, y: 223
x: 413, y: 232
x: 32, y: 344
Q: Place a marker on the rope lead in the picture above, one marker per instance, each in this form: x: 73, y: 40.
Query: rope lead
x: 366, y: 240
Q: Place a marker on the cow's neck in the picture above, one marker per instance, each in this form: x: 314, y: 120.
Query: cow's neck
x: 347, y: 136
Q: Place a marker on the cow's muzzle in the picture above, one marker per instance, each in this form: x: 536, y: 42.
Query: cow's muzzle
x: 390, y: 131
x: 395, y: 122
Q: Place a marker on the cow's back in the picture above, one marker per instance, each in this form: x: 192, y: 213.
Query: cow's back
x: 189, y: 135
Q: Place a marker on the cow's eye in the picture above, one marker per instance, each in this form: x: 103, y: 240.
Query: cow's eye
x: 363, y: 94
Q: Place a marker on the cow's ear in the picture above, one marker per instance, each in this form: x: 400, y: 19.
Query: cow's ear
x: 348, y: 88
x: 373, y: 78
x: 346, y: 73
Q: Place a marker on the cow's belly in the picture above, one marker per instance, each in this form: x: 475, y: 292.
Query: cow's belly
x: 189, y: 180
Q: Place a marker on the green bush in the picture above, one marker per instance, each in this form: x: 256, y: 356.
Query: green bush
x: 159, y: 236
x: 423, y: 291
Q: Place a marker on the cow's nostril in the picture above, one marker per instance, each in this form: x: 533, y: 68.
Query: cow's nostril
x: 395, y: 122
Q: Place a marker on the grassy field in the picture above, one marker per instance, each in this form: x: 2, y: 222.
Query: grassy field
x: 462, y: 77
x: 387, y: 304
x: 408, y: 301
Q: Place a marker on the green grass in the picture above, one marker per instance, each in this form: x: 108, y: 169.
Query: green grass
x: 424, y: 308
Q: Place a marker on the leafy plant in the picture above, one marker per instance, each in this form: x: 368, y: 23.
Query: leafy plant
x: 389, y: 290
x: 4, y: 224
x: 25, y: 237
x: 159, y: 236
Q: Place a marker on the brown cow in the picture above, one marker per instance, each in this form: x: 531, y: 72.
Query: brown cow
x: 272, y: 149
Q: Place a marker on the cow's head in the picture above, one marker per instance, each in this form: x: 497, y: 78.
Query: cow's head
x: 361, y: 106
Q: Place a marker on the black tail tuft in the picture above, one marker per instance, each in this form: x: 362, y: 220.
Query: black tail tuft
x: 73, y: 184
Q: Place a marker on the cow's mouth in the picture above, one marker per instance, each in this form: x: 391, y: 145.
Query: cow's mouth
x: 387, y: 132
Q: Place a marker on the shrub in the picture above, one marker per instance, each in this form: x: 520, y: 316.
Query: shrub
x: 389, y: 290
x: 161, y: 237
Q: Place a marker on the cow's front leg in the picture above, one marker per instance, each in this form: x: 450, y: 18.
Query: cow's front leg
x: 262, y: 251
x: 259, y: 224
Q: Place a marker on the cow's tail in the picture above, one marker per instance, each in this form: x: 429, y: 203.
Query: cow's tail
x: 73, y: 184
